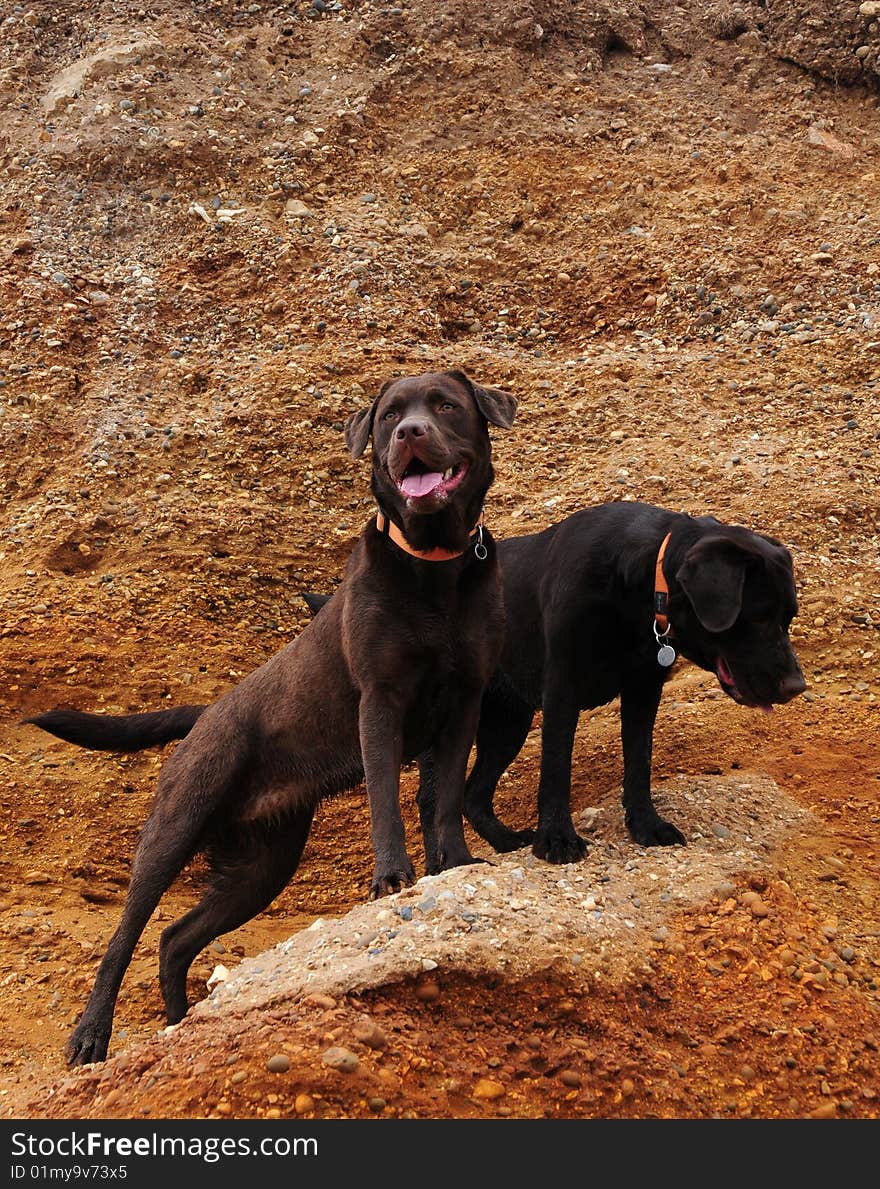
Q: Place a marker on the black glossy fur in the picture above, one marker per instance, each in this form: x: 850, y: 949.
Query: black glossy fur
x: 579, y: 610
x: 393, y: 667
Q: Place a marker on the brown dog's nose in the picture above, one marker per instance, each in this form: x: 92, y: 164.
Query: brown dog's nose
x: 792, y: 685
x: 411, y: 429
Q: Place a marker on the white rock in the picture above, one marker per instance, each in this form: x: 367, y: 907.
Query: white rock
x: 218, y: 975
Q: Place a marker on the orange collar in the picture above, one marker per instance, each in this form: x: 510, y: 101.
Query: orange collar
x: 661, y: 591
x: 387, y: 526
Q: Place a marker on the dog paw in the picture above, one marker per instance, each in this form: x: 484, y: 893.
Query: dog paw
x: 390, y: 882
x: 559, y: 846
x: 87, y: 1044
x: 655, y: 831
x: 501, y: 838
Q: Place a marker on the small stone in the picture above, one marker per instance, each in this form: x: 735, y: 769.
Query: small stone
x: 295, y: 209
x: 340, y: 1059
x: 376, y: 1105
x: 828, y: 1110
x: 719, y: 830
x: 303, y: 1104
x: 273, y: 1113
x: 327, y: 1002
x: 570, y: 1077
x: 627, y: 1088
x: 238, y: 1078
x: 758, y: 908
x: 428, y: 992
x: 280, y: 1063
x: 369, y: 1033
x: 488, y: 1091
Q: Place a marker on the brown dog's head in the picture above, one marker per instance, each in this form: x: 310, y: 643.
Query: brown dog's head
x: 731, y: 611
x: 432, y: 458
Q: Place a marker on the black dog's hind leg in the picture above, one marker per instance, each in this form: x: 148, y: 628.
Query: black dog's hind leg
x: 504, y: 723
x: 557, y: 840
x: 638, y: 710
x: 253, y: 864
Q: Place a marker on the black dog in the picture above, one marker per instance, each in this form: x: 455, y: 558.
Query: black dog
x: 589, y: 617
x: 394, y: 667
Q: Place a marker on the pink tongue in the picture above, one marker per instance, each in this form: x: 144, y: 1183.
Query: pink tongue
x: 418, y: 485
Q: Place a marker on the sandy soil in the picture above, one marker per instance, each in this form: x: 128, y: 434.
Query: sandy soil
x: 220, y: 230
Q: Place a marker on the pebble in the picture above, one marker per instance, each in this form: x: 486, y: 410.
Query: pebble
x: 370, y: 1034
x: 327, y: 1002
x: 303, y: 1104
x: 238, y: 1078
x: 428, y: 992
x: 340, y: 1059
x: 719, y: 830
x: 376, y: 1105
x: 569, y: 1077
x: 828, y: 1110
x: 280, y: 1063
x: 627, y: 1088
x: 487, y: 1090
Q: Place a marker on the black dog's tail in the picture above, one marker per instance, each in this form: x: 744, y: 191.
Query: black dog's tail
x: 119, y: 732
x: 315, y: 601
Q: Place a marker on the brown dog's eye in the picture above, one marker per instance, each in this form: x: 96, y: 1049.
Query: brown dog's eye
x: 447, y: 406
x: 391, y: 415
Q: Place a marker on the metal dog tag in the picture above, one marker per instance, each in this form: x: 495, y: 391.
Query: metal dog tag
x: 666, y: 656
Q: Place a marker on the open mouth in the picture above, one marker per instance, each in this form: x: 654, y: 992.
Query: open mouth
x: 728, y: 684
x: 418, y: 481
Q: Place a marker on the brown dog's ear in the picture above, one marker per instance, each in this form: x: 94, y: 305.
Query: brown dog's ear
x: 497, y: 407
x: 712, y: 576
x: 359, y: 426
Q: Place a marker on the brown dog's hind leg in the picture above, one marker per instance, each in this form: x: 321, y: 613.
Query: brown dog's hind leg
x: 254, y: 864
x: 159, y: 858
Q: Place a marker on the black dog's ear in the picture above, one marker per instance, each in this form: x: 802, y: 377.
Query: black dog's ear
x: 712, y: 576
x: 497, y: 407
x: 359, y: 426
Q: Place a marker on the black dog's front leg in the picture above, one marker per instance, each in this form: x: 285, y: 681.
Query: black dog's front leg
x: 381, y: 737
x: 638, y: 710
x: 557, y: 841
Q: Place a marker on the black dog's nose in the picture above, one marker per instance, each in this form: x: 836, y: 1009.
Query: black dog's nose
x: 792, y: 685
x: 411, y: 428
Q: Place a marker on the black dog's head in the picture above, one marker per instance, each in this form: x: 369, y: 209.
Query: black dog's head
x: 731, y: 604
x: 432, y: 458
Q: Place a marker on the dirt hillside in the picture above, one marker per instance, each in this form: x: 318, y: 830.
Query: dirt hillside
x: 222, y: 225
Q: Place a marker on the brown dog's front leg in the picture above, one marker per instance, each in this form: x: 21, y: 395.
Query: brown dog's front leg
x: 450, y: 756
x: 381, y: 736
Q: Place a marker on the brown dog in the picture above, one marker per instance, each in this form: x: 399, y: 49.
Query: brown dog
x: 392, y: 668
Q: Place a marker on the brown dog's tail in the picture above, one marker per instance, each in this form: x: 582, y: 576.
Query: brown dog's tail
x: 119, y: 732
